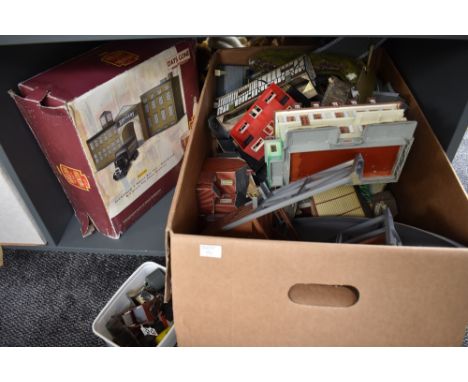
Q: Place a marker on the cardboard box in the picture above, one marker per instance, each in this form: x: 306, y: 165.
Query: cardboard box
x: 233, y: 291
x: 112, y: 123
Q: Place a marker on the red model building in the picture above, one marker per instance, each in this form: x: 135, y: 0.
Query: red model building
x: 258, y: 123
x: 222, y: 185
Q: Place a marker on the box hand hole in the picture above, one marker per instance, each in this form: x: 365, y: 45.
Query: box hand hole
x: 324, y: 295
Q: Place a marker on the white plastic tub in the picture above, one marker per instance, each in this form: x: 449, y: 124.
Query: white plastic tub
x: 120, y: 302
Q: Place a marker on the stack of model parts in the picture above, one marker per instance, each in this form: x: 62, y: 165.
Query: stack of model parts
x: 315, y: 144
x: 149, y: 318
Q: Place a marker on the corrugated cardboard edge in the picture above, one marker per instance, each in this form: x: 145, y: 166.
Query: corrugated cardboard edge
x: 170, y: 218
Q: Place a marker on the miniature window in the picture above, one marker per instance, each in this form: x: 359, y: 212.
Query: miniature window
x: 317, y: 116
x: 168, y: 96
x: 147, y: 108
x: 243, y: 128
x: 149, y: 122
x: 344, y: 130
x: 163, y: 114
x: 103, y: 120
x: 270, y: 97
x: 161, y: 100
x: 269, y: 129
x: 248, y: 140
x: 339, y: 114
x: 273, y: 148
x: 255, y: 112
x: 305, y: 120
x: 290, y: 118
x: 283, y: 101
x: 227, y: 182
x: 153, y: 104
x: 155, y: 118
x: 109, y: 117
x: 258, y: 145
x: 171, y: 110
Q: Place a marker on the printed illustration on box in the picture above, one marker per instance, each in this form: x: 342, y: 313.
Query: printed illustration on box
x: 144, y: 141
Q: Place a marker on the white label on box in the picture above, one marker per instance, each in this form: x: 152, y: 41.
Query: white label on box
x: 210, y: 251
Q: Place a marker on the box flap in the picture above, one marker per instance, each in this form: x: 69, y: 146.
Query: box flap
x: 77, y: 76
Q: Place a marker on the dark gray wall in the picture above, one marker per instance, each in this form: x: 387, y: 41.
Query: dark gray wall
x: 19, y: 63
x: 436, y: 70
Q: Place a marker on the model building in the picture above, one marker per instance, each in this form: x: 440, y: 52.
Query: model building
x: 258, y: 123
x: 298, y: 73
x: 222, y: 185
x: 311, y: 140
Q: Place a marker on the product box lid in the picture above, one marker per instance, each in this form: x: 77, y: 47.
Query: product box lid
x: 71, y: 79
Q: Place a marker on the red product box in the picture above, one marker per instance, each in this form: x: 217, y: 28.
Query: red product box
x: 112, y: 124
x: 258, y: 123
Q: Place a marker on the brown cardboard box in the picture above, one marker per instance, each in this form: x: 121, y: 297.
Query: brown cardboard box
x: 255, y: 292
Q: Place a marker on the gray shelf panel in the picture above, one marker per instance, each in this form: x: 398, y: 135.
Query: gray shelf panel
x: 145, y: 237
x: 47, y: 39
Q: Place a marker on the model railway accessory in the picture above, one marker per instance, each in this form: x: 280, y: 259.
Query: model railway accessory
x: 148, y: 319
x: 111, y: 124
x: 304, y: 147
x: 257, y: 124
x: 326, y: 229
x: 379, y: 230
x: 105, y: 145
x: 339, y: 201
x: 223, y: 185
x: 351, y: 118
x: 349, y: 172
x: 230, y: 78
x: 222, y: 136
x: 384, y: 148
x: 338, y: 92
x: 298, y: 73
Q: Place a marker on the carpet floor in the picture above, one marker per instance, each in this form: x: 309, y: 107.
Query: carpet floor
x: 51, y: 299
